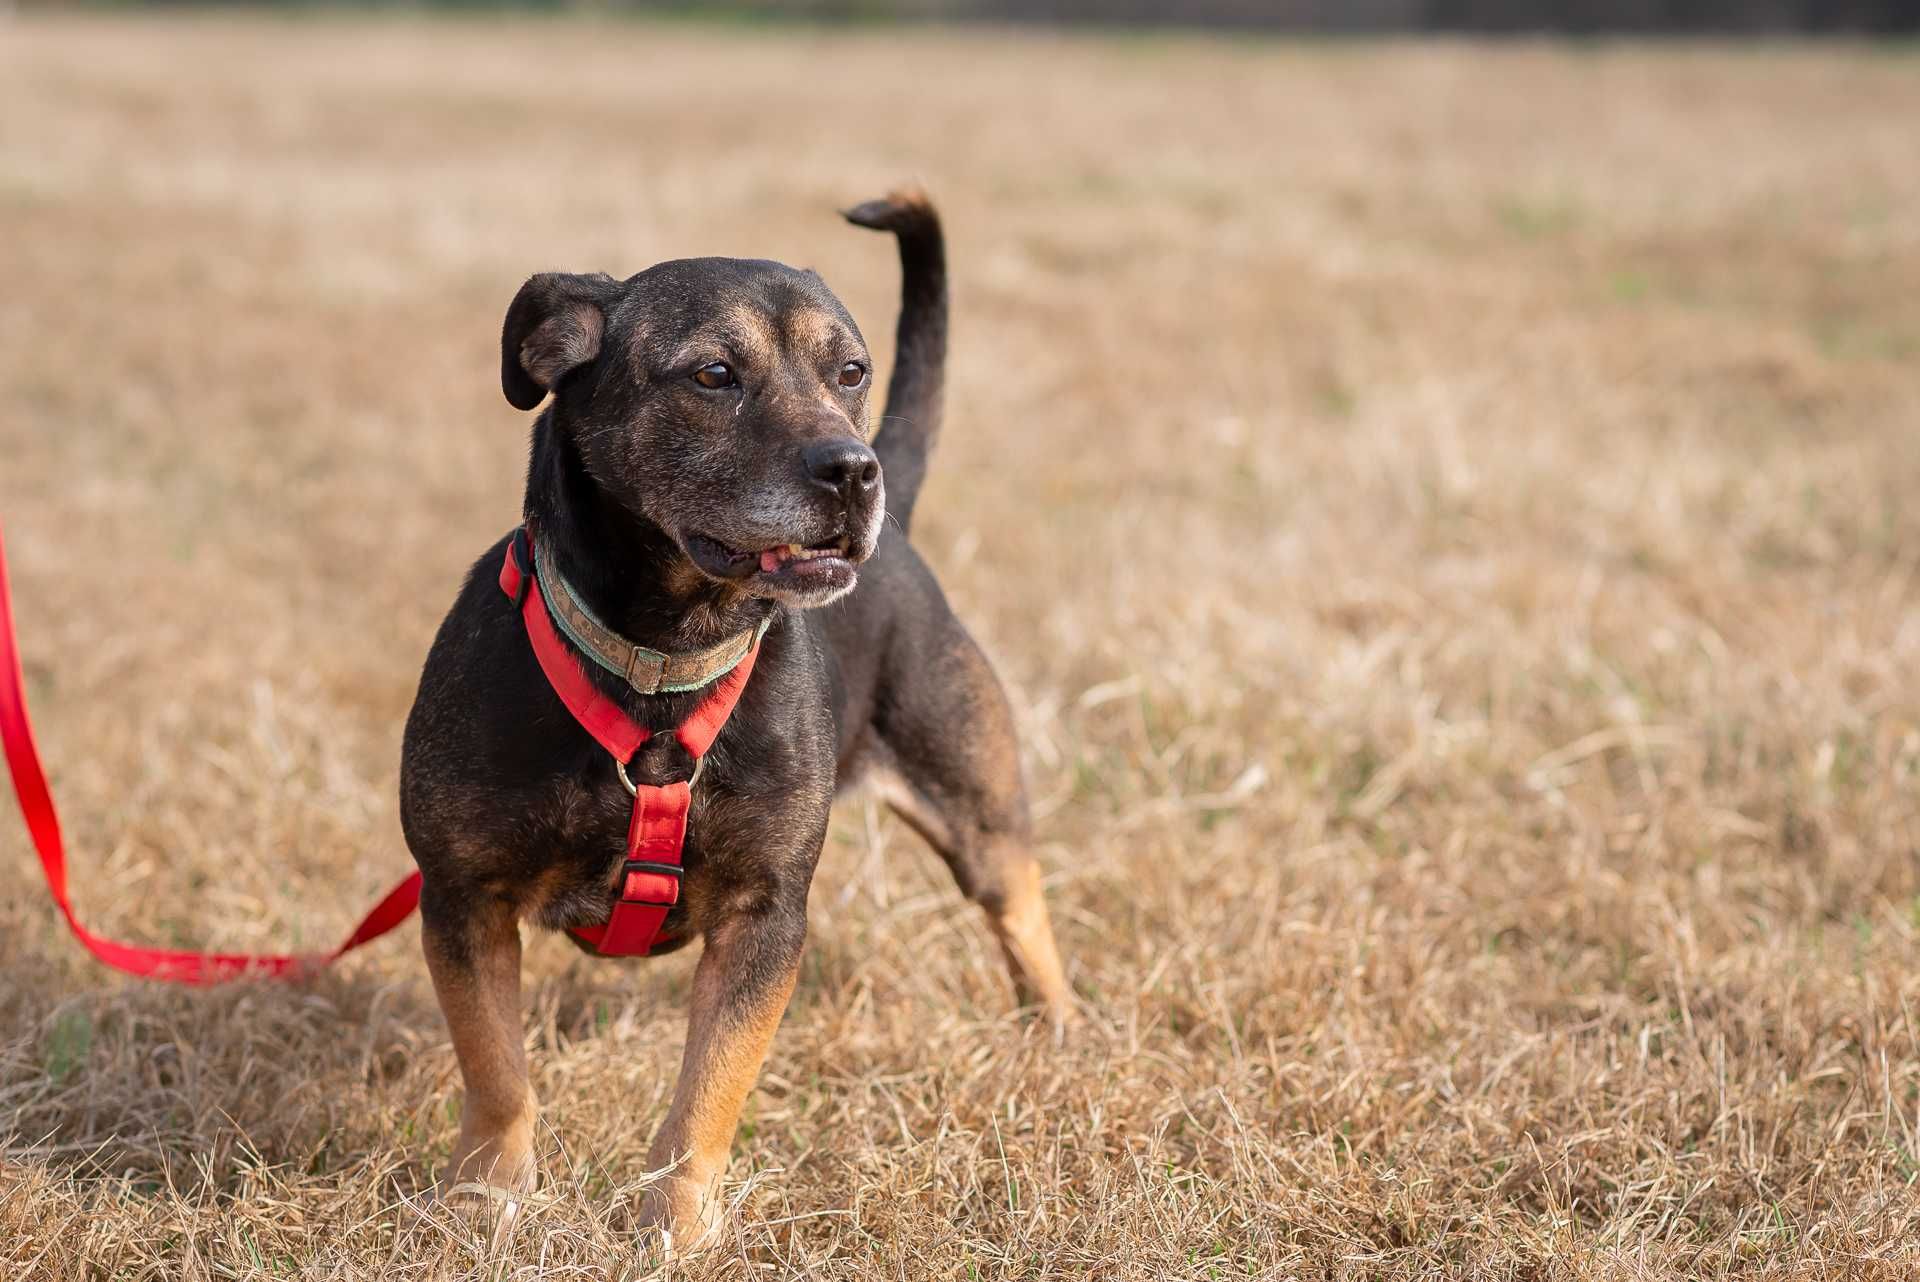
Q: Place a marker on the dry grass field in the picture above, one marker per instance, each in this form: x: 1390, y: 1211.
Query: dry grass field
x: 1449, y: 517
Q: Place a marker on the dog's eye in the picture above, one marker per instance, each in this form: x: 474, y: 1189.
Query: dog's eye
x: 718, y: 374
x: 852, y: 374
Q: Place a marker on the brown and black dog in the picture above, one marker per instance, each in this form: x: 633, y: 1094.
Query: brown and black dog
x: 704, y: 470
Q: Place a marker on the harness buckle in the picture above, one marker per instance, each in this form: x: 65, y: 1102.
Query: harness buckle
x: 652, y: 868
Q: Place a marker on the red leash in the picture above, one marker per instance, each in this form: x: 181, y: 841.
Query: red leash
x: 43, y: 824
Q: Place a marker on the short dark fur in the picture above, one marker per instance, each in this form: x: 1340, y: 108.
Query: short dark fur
x: 654, y: 493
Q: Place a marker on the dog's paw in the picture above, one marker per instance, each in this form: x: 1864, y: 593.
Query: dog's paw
x: 503, y: 1163
x: 486, y: 1211
x: 487, y: 1182
x: 686, y: 1214
x: 1063, y: 1020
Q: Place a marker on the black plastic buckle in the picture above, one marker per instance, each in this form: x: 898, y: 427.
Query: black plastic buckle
x: 522, y: 553
x: 674, y: 871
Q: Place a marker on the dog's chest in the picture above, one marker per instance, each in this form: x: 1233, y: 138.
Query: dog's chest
x: 579, y: 841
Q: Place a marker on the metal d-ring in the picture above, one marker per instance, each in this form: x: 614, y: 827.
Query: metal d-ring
x: 620, y: 768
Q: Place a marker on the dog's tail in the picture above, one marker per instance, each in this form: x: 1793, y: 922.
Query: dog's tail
x: 912, y: 418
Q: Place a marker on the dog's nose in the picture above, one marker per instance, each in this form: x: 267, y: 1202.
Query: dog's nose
x: 845, y: 467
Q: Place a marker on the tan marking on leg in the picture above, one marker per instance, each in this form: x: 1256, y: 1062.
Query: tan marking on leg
x: 1025, y: 933
x: 726, y: 1046
x: 1019, y: 919
x: 480, y: 998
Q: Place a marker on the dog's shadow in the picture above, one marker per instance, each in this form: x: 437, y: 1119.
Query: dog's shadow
x: 157, y: 1087
x: 160, y: 1087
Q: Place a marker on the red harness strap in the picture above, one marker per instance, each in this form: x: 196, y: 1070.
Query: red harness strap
x: 650, y: 879
x: 43, y: 825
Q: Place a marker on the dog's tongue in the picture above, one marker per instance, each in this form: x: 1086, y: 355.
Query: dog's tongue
x: 770, y: 560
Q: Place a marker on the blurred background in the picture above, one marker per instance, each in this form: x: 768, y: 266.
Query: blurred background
x: 1443, y: 506
x: 1364, y: 16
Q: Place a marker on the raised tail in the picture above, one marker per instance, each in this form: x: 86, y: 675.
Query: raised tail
x: 912, y: 418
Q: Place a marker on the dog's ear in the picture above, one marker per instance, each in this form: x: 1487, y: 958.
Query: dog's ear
x: 554, y: 325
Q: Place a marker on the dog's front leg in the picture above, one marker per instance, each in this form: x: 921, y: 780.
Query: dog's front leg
x: 473, y: 954
x: 740, y: 990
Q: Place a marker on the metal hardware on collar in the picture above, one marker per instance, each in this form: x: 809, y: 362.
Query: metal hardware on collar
x: 633, y: 790
x: 656, y: 666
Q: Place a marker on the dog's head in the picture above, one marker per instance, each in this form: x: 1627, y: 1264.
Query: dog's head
x: 725, y: 401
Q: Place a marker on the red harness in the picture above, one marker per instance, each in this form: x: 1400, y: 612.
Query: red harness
x: 650, y: 879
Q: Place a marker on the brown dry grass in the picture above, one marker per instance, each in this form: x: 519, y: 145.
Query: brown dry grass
x: 1446, y: 514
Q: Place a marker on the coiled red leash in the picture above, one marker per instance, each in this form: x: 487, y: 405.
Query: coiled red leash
x: 43, y: 824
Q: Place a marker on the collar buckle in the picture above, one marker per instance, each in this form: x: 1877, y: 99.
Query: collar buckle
x: 646, y: 669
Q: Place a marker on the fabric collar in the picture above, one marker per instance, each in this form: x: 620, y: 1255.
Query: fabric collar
x: 646, y: 670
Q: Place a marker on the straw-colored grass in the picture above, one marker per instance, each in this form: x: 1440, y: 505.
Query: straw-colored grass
x: 1448, y: 516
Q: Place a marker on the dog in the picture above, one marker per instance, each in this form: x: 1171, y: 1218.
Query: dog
x: 705, y: 483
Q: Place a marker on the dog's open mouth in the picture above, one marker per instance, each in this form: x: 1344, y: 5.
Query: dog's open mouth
x: 792, y: 554
x: 785, y: 565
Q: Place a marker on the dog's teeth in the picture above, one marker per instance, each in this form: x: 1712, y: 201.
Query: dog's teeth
x: 774, y: 558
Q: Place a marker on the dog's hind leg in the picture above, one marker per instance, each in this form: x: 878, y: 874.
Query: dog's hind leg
x: 956, y: 768
x: 473, y: 954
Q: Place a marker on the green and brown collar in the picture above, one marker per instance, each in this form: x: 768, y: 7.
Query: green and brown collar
x: 646, y: 670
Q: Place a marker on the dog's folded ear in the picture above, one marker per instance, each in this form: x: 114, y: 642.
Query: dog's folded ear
x: 554, y: 325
